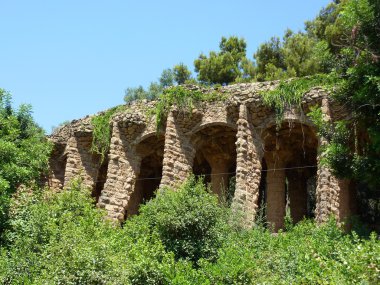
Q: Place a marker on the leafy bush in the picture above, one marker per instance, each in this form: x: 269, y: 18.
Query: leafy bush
x: 306, y: 254
x: 189, y: 221
x: 24, y: 152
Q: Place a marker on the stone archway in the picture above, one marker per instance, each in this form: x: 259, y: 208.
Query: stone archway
x: 291, y: 159
x: 215, y: 156
x: 151, y: 152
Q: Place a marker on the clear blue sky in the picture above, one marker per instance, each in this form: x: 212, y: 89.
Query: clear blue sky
x: 73, y: 58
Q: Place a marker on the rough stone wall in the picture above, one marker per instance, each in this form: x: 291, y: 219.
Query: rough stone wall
x: 178, y: 152
x: 81, y: 161
x: 124, y: 164
x: 122, y: 172
x: 57, y: 165
x: 243, y: 114
x: 331, y: 192
x: 248, y: 166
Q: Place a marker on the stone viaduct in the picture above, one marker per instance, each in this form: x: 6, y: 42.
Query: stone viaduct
x: 275, y: 166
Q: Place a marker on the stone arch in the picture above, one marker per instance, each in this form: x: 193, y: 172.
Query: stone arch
x: 288, y: 119
x: 150, y: 150
x: 290, y: 153
x: 212, y: 124
x: 215, y: 155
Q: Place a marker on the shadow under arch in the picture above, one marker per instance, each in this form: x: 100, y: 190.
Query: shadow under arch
x: 290, y: 155
x: 215, y: 155
x: 151, y: 151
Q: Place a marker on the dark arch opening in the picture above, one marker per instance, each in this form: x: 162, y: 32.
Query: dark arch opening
x: 57, y: 164
x: 262, y: 193
x: 201, y: 168
x: 291, y: 150
x: 215, y: 158
x: 151, y: 150
x: 101, y: 179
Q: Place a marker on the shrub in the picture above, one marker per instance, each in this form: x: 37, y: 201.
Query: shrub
x: 189, y: 221
x: 24, y: 152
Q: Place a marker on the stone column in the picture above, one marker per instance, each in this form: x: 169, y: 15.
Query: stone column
x: 248, y: 167
x: 81, y: 161
x: 219, y: 177
x: 297, y: 195
x: 276, y: 200
x: 178, y: 153
x: 330, y: 192
x: 123, y: 169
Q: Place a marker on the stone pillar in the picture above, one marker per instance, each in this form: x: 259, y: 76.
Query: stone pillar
x: 297, y: 194
x: 276, y: 200
x: 330, y: 192
x: 123, y: 169
x: 219, y: 177
x: 178, y: 153
x: 248, y: 167
x: 81, y: 161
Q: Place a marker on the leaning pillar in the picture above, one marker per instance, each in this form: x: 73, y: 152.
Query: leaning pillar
x: 81, y: 161
x: 248, y: 167
x: 178, y: 153
x: 123, y: 170
x: 331, y: 192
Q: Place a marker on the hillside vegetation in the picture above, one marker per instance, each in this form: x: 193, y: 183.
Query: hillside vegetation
x: 180, y: 237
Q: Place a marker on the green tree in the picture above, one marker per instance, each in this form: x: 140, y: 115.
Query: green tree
x: 134, y: 93
x: 320, y: 26
x: 297, y: 55
x: 139, y: 93
x: 225, y: 66
x: 301, y: 54
x: 167, y: 78
x: 24, y: 152
x: 356, y: 33
x: 181, y: 73
x: 270, y: 60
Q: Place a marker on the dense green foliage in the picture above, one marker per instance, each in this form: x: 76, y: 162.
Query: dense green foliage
x: 180, y: 237
x: 24, y: 151
x: 224, y: 66
x: 357, y: 36
x: 181, y: 73
x: 189, y: 221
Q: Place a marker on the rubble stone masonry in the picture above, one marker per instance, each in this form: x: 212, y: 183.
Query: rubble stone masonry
x: 222, y: 139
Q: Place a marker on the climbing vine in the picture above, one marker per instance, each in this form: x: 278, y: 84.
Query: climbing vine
x: 184, y: 99
x: 101, y: 136
x: 290, y: 92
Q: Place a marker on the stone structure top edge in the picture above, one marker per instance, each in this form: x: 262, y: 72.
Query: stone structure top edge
x: 136, y: 112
